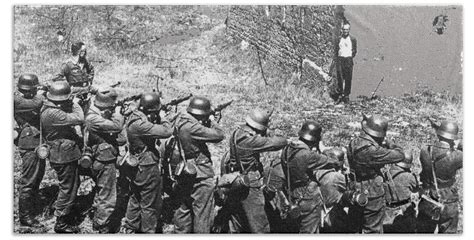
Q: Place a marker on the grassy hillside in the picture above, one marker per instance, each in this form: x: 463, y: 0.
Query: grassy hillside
x: 205, y: 61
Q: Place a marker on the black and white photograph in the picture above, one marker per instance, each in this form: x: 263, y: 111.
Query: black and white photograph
x: 218, y: 119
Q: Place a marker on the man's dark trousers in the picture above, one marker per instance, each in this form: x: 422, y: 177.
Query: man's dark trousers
x: 143, y: 207
x: 32, y: 173
x: 344, y: 76
x: 104, y: 174
x: 68, y: 177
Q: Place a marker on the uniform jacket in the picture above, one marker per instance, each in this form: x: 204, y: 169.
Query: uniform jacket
x: 143, y: 137
x: 59, y: 132
x: 302, y: 163
x: 104, y: 134
x: 76, y: 73
x: 405, y: 183
x: 332, y: 184
x: 366, y: 158
x: 27, y: 116
x: 354, y: 46
x: 249, y: 146
x: 194, y: 138
x: 446, y: 162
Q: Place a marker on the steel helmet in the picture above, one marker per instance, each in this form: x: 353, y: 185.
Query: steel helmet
x: 59, y: 91
x: 259, y: 119
x: 407, y: 161
x: 106, y: 98
x: 28, y: 82
x: 199, y: 106
x: 150, y: 102
x: 448, y: 130
x: 310, y: 131
x: 375, y: 126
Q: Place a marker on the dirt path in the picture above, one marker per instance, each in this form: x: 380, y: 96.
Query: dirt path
x: 400, y: 44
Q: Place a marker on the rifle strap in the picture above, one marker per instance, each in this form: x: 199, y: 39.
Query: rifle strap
x: 433, y: 171
x: 41, y: 132
x: 233, y: 144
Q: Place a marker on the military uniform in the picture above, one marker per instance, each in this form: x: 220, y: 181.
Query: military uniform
x: 104, y: 141
x: 196, y: 196
x: 333, y: 185
x: 366, y: 158
x: 446, y: 162
x: 60, y: 134
x: 143, y: 207
x: 79, y: 75
x: 302, y: 162
x: 27, y: 116
x: 400, y: 212
x: 246, y: 209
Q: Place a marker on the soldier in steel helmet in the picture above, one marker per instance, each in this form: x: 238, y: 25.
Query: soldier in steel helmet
x: 59, y: 116
x: 300, y: 160
x: 195, y: 129
x: 245, y: 207
x: 441, y: 160
x: 79, y: 73
x: 104, y: 124
x: 367, y: 154
x: 27, y: 104
x: 145, y: 127
x: 400, y: 188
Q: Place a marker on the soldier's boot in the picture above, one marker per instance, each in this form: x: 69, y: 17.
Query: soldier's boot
x: 29, y: 221
x: 26, y: 219
x: 100, y: 229
x: 61, y: 226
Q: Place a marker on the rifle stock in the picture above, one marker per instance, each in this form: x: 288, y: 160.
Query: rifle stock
x: 175, y: 102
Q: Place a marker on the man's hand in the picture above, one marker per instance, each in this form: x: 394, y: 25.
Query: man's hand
x: 212, y: 118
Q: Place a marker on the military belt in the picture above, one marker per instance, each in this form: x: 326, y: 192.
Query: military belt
x: 400, y: 203
x: 80, y: 84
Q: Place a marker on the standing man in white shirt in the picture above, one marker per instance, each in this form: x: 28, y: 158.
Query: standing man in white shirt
x: 346, y: 49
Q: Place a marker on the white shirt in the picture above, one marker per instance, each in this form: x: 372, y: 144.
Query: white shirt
x: 345, y: 47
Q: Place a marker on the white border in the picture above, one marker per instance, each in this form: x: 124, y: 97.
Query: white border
x: 6, y: 15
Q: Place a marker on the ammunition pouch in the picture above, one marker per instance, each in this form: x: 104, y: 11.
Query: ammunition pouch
x: 234, y: 181
x: 29, y: 138
x: 430, y: 207
x: 104, y: 152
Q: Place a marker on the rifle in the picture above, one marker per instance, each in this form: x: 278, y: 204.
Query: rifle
x: 219, y: 109
x: 128, y: 99
x: 175, y: 102
x: 377, y: 88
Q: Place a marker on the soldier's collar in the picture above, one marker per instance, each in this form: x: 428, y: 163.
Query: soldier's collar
x: 247, y: 130
x: 368, y: 138
x: 444, y: 145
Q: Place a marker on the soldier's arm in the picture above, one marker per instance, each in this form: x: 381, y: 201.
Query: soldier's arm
x: 146, y: 128
x: 319, y: 161
x: 100, y: 124
x: 266, y: 144
x: 61, y: 118
x: 26, y: 105
x: 381, y: 155
x: 214, y: 134
x: 426, y: 174
x: 457, y: 158
x: 62, y: 73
